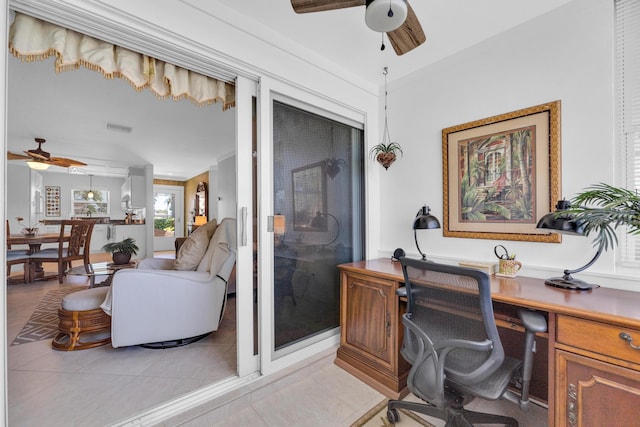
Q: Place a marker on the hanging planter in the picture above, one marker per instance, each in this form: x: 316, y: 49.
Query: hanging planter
x: 386, y: 152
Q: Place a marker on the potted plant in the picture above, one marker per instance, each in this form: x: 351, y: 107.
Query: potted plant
x: 386, y: 154
x: 122, y: 251
x: 27, y: 231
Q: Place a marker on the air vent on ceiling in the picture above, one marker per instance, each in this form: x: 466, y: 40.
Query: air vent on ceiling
x: 119, y: 128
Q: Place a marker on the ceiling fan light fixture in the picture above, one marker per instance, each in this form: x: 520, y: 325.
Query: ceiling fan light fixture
x: 39, y: 166
x: 385, y: 15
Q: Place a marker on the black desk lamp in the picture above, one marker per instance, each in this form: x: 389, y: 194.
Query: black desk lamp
x: 557, y: 222
x: 424, y: 221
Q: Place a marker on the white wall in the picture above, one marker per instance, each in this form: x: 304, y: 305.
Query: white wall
x: 18, y: 192
x: 565, y: 55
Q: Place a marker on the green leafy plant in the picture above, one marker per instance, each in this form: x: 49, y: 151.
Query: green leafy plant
x: 608, y: 208
x: 127, y: 246
x: 385, y: 154
x: 392, y: 147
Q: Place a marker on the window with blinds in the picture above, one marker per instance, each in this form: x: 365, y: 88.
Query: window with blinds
x: 627, y: 15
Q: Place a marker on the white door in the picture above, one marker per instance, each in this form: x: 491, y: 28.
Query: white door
x: 168, y: 216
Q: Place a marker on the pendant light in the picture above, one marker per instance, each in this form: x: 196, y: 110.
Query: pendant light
x: 90, y: 193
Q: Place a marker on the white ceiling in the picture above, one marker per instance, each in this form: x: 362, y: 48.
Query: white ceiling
x: 70, y: 110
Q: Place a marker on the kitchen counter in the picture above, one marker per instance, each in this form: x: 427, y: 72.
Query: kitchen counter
x: 99, y: 220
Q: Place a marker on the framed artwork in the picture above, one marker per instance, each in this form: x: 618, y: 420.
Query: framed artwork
x: 309, y: 198
x: 52, y: 201
x: 502, y: 174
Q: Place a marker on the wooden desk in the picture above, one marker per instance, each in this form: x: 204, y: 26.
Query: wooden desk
x: 593, y: 374
x: 33, y: 271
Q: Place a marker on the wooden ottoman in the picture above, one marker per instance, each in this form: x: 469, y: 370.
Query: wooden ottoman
x: 82, y: 323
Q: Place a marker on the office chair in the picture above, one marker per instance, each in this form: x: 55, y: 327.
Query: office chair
x: 452, y: 343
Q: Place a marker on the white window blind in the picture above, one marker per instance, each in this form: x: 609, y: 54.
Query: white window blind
x: 628, y: 109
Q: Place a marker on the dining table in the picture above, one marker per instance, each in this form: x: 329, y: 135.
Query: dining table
x: 33, y: 270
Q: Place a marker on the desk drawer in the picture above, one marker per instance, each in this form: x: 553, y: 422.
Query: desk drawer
x: 599, y: 338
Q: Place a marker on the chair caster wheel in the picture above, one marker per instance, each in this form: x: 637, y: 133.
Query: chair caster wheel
x: 393, y: 416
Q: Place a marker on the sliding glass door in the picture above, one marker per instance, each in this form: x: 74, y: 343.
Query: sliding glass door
x: 318, y: 219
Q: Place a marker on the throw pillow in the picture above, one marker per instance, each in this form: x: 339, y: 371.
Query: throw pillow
x: 194, y: 248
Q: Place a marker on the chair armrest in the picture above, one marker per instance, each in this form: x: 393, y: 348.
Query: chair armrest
x: 156, y: 264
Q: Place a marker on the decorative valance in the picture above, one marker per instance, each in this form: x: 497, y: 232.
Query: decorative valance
x: 31, y: 39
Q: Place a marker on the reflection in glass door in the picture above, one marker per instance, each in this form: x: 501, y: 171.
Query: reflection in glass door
x: 318, y: 221
x: 167, y: 216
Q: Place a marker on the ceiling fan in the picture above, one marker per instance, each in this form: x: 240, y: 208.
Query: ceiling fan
x: 41, y: 160
x: 394, y: 17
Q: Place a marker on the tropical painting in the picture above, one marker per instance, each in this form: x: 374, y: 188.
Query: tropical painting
x: 501, y: 174
x: 497, y: 177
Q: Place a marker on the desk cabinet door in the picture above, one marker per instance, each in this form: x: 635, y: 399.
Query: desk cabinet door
x: 592, y: 393
x: 368, y: 312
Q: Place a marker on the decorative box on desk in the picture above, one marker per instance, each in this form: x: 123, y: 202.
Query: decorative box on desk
x: 371, y: 326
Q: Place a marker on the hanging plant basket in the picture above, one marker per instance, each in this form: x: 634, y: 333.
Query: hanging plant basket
x: 385, y: 159
x: 386, y: 154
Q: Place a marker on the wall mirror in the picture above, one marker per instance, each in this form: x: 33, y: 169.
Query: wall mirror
x: 202, y: 207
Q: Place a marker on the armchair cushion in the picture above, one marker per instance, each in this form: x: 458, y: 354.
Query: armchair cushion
x: 194, y: 248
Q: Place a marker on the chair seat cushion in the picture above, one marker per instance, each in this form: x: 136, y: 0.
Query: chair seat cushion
x: 194, y: 248
x: 16, y: 254
x: 89, y: 299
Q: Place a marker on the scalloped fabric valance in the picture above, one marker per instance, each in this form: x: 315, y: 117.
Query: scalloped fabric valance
x: 31, y: 39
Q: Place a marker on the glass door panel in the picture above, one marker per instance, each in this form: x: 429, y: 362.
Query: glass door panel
x: 318, y: 221
x: 167, y: 217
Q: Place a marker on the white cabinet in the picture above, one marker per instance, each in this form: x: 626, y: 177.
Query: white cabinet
x: 99, y: 237
x: 133, y: 192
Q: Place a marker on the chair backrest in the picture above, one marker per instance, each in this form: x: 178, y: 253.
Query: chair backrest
x: 452, y: 306
x: 79, y: 238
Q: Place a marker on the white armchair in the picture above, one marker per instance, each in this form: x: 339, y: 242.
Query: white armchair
x: 157, y: 304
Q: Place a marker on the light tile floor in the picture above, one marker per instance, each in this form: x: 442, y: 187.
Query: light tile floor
x: 320, y: 395
x: 99, y: 386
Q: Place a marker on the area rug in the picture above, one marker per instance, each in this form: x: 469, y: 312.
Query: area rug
x: 377, y: 417
x: 43, y: 323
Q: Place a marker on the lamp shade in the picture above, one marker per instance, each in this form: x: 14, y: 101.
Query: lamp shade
x: 385, y: 15
x: 201, y: 220
x: 563, y: 223
x: 279, y: 224
x: 424, y: 220
x: 39, y: 166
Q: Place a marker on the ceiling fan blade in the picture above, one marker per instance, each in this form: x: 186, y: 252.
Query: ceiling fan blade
x: 409, y: 35
x: 64, y: 162
x: 306, y: 6
x: 16, y: 156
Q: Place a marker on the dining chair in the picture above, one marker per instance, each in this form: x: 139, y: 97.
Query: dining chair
x: 15, y: 256
x: 73, y: 244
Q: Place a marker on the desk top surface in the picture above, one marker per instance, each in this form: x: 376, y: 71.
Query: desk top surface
x: 604, y: 304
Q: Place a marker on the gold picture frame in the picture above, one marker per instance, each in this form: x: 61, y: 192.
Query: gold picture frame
x: 502, y: 174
